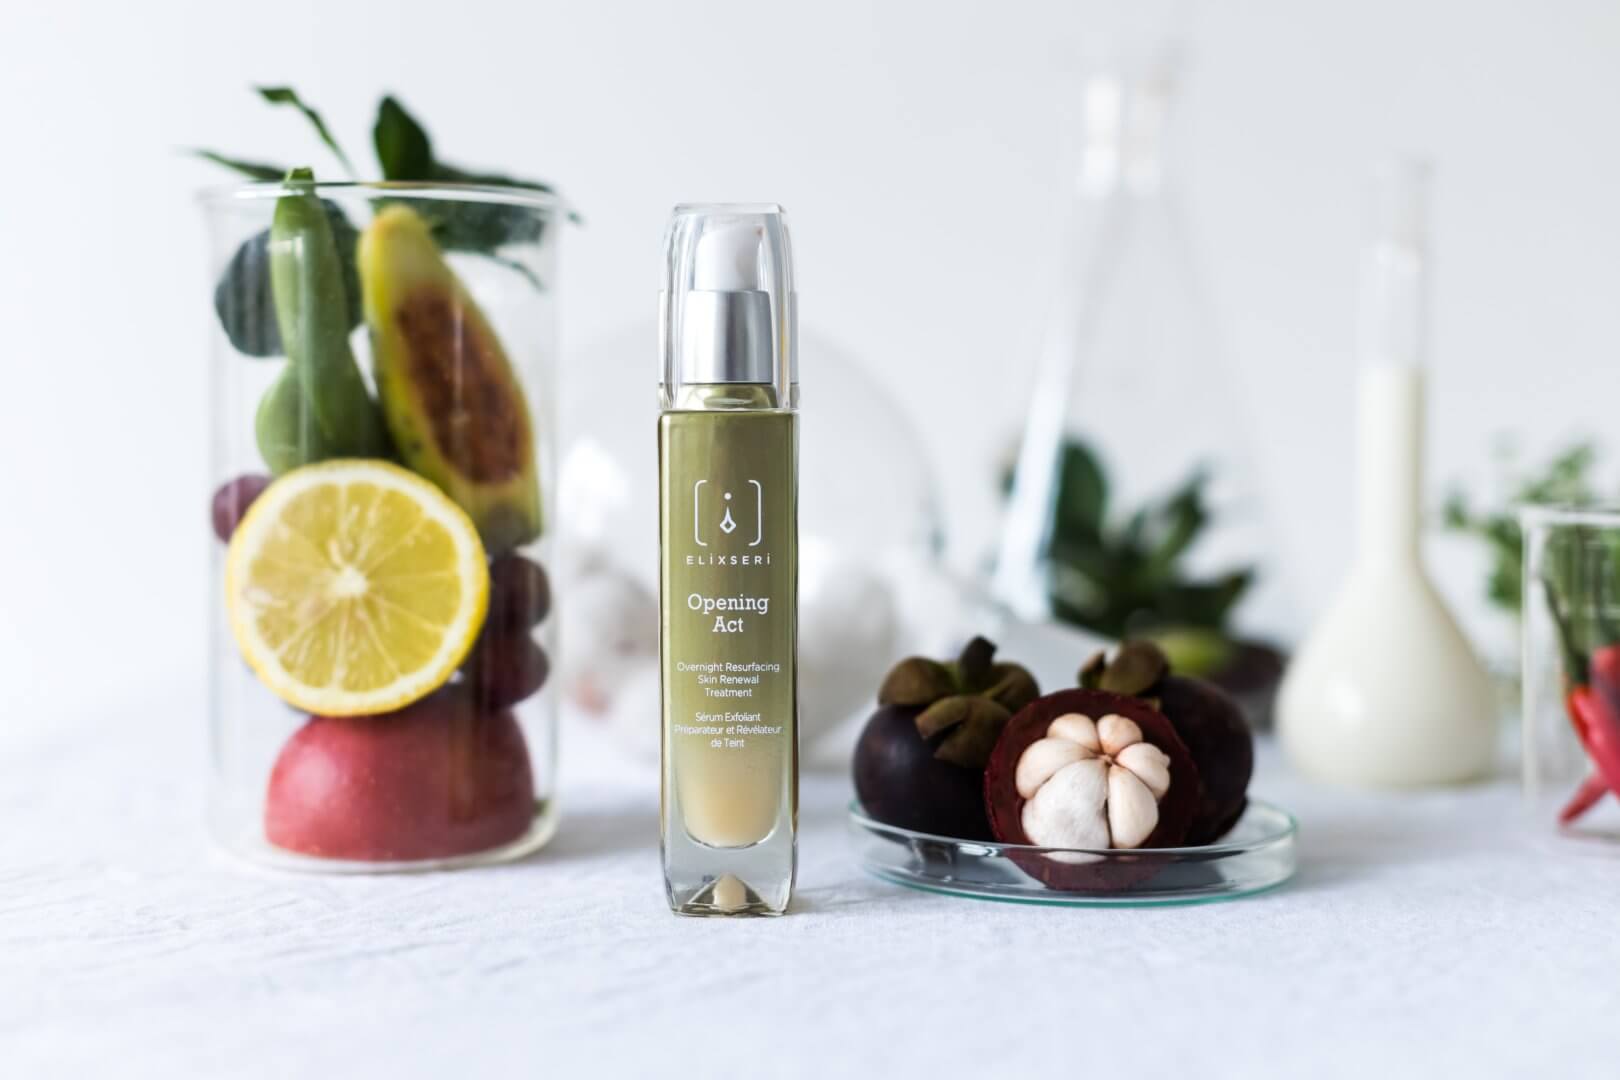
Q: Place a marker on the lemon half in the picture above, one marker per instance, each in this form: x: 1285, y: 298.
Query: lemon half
x: 355, y: 587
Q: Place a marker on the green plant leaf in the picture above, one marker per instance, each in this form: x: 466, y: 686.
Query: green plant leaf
x: 1575, y: 662
x: 1565, y: 479
x: 1205, y: 605
x: 1128, y: 578
x: 405, y: 153
x: 403, y: 149
x: 453, y: 175
x: 482, y: 227
x: 1082, y: 493
x: 1171, y: 528
x: 254, y: 169
x: 286, y: 95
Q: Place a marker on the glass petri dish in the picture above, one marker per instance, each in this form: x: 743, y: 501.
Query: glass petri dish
x: 1257, y: 855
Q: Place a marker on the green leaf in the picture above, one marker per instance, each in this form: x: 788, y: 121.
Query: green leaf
x: 1204, y: 605
x: 253, y: 169
x: 1566, y: 479
x: 1454, y: 514
x: 403, y: 148
x: 1082, y: 493
x: 482, y: 227
x: 1172, y: 527
x: 285, y: 95
x: 1575, y: 663
x: 452, y: 175
x: 406, y: 154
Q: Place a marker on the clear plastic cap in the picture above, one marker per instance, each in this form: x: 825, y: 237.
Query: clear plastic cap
x: 728, y: 306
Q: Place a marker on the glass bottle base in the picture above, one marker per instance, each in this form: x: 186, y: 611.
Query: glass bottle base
x: 717, y: 882
x: 725, y: 897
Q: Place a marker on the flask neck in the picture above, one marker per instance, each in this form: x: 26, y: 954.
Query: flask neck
x: 1390, y: 464
x: 1391, y: 341
x: 1126, y: 115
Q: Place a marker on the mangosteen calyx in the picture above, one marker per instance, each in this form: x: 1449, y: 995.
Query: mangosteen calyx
x: 968, y: 700
x: 1137, y: 669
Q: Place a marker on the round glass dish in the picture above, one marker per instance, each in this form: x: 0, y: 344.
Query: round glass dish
x: 1258, y: 854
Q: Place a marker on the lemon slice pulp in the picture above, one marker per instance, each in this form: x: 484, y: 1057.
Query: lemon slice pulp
x: 355, y: 587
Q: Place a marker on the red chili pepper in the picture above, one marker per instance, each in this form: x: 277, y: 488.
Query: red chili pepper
x: 1597, y: 722
x: 1588, y: 795
x: 1592, y: 701
x: 1605, y: 667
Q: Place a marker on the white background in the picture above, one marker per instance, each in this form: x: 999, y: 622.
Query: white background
x: 924, y: 151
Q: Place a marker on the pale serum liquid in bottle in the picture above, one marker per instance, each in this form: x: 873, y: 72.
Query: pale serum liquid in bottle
x: 728, y: 509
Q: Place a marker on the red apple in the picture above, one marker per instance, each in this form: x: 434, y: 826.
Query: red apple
x: 434, y: 780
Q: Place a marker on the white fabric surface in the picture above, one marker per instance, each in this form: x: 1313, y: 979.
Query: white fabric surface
x: 1426, y: 935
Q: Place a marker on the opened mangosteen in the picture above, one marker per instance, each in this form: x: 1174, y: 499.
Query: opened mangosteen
x: 1091, y: 770
x: 1208, y: 720
x: 920, y: 760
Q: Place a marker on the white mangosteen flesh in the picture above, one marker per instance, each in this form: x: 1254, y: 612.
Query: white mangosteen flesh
x: 1091, y: 784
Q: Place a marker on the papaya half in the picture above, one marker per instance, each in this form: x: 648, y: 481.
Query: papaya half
x: 450, y: 397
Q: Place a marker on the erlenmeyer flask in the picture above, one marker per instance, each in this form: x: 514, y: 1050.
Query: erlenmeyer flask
x: 1134, y: 506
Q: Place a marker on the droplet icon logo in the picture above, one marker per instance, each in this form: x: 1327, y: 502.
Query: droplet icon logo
x: 703, y: 509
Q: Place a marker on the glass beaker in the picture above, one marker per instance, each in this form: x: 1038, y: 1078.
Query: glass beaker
x: 381, y: 612
x: 1570, y: 638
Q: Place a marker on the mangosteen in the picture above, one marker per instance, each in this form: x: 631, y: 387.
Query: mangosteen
x: 1213, y: 727
x: 1250, y: 671
x: 1206, y: 718
x: 1092, y: 771
x: 920, y: 760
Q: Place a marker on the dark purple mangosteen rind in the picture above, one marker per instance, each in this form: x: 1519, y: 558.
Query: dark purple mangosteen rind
x: 900, y: 782
x: 1216, y: 733
x: 1128, y: 868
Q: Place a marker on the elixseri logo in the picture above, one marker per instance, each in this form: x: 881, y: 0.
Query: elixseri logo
x: 737, y: 516
x: 703, y: 515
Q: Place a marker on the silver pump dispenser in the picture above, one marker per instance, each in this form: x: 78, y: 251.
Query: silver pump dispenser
x: 728, y: 298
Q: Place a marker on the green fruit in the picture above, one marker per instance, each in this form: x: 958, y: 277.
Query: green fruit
x: 449, y: 395
x: 319, y: 408
x: 1194, y: 652
x: 286, y: 430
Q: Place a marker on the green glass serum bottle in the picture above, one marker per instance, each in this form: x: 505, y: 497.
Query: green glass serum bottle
x: 728, y: 442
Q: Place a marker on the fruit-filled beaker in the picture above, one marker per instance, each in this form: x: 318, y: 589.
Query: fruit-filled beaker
x: 1571, y: 678
x: 383, y: 500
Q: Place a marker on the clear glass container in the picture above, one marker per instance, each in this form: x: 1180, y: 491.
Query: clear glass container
x: 381, y: 613
x: 1571, y: 677
x: 1259, y: 853
x: 1134, y: 506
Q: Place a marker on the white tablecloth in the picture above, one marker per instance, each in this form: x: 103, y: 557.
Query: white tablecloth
x: 1424, y: 935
